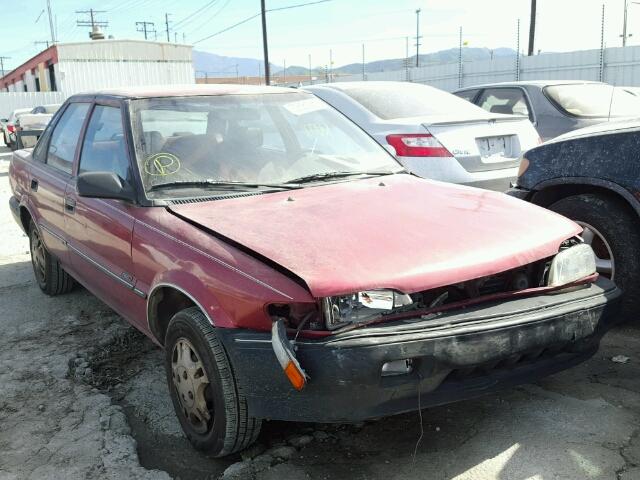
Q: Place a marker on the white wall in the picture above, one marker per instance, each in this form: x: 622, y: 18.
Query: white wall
x: 115, y: 63
x: 13, y: 100
x: 621, y: 67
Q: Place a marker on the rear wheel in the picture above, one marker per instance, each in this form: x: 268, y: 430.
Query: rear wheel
x: 51, y: 277
x: 206, y: 396
x: 611, y: 228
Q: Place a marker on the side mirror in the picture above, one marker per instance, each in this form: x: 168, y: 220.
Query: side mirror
x: 103, y: 185
x: 4, y: 120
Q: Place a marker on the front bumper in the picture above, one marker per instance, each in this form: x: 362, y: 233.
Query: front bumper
x: 455, y: 355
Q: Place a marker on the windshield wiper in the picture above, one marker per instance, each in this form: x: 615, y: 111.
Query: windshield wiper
x: 217, y: 183
x: 328, y: 175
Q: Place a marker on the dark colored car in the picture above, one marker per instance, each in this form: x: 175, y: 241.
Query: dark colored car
x: 593, y: 177
x: 555, y: 107
x: 290, y: 267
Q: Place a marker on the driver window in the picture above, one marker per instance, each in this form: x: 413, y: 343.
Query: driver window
x: 104, y: 148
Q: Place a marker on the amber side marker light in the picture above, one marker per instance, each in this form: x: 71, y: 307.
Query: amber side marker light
x: 286, y: 357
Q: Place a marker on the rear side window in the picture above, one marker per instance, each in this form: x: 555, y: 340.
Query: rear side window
x: 510, y: 101
x: 593, y: 100
x: 104, y: 148
x: 64, y: 138
x: 403, y: 100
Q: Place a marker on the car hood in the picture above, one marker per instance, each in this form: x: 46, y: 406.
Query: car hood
x: 399, y: 232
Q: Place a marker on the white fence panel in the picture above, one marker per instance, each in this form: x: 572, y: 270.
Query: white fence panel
x: 621, y: 66
x: 10, y: 101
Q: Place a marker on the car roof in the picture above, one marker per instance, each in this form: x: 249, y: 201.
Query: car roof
x: 187, y: 90
x: 537, y: 83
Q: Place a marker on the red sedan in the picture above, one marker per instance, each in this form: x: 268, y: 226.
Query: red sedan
x: 289, y: 266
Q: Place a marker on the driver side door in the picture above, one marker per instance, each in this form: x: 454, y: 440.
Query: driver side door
x: 99, y: 230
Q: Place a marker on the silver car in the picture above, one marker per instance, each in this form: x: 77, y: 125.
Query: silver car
x: 556, y: 107
x: 435, y: 134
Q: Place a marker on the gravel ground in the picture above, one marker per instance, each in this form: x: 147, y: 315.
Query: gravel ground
x: 83, y: 396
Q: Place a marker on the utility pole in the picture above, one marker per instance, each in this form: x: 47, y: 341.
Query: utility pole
x: 175, y: 37
x: 284, y: 71
x: 91, y: 22
x: 310, y: 75
x: 237, y: 74
x: 330, y: 71
x: 460, y: 60
x: 418, y: 37
x: 146, y: 27
x: 406, y: 58
x: 601, y: 72
x: 518, y: 52
x: 53, y: 33
x: 166, y: 23
x: 265, y: 46
x: 364, y: 75
x: 2, y: 59
x: 532, y: 28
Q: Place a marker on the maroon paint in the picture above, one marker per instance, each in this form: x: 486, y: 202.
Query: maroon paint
x: 410, y: 234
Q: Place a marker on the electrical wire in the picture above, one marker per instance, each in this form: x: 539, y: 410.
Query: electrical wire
x: 202, y: 9
x: 208, y: 19
x: 257, y: 15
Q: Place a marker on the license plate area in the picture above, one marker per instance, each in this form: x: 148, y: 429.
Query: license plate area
x: 497, y: 149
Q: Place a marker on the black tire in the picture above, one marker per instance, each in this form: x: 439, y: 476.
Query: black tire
x: 230, y: 429
x: 50, y: 276
x: 618, y: 224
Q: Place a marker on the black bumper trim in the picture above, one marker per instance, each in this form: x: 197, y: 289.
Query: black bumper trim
x: 450, y: 363
x: 14, y: 206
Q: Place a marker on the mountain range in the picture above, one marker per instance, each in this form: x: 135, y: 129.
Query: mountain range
x: 213, y: 65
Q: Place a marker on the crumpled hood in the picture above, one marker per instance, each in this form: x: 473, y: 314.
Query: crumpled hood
x: 398, y: 232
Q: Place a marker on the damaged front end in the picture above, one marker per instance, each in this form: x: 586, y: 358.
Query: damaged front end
x: 574, y: 264
x: 572, y: 267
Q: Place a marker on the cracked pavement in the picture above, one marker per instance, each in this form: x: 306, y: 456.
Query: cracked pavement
x: 583, y: 423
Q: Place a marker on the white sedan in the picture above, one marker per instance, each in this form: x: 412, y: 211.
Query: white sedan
x: 435, y: 134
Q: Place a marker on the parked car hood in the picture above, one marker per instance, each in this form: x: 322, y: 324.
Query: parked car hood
x: 399, y: 232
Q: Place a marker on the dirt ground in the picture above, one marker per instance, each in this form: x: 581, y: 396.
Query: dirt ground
x: 83, y: 396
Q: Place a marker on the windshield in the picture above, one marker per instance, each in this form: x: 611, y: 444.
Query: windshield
x: 265, y: 139
x: 390, y: 100
x: 594, y: 100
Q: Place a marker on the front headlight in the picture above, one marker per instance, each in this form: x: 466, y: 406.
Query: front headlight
x: 361, y: 306
x: 571, y: 264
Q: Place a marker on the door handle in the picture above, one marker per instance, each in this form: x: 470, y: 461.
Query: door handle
x: 69, y: 204
x: 34, y: 184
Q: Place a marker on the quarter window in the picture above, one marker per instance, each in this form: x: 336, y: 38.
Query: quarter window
x: 64, y: 139
x: 104, y: 148
x: 510, y: 101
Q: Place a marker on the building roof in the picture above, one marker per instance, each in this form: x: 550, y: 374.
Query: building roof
x: 188, y: 90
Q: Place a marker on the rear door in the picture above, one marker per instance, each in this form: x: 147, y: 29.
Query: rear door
x: 100, y: 230
x: 50, y: 175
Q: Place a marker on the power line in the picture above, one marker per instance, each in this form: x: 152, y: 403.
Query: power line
x: 208, y: 20
x: 257, y: 15
x: 185, y: 20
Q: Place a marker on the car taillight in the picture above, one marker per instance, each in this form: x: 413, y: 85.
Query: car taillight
x: 11, y: 128
x: 417, y: 145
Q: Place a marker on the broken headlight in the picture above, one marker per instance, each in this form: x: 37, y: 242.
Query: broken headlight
x: 361, y: 306
x: 571, y: 264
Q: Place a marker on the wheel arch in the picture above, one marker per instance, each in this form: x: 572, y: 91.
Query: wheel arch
x: 550, y: 191
x: 163, y: 302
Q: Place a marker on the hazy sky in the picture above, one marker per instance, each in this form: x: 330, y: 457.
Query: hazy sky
x: 339, y: 25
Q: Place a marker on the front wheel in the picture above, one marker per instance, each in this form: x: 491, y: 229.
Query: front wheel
x: 611, y: 229
x: 51, y: 277
x: 204, y: 389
